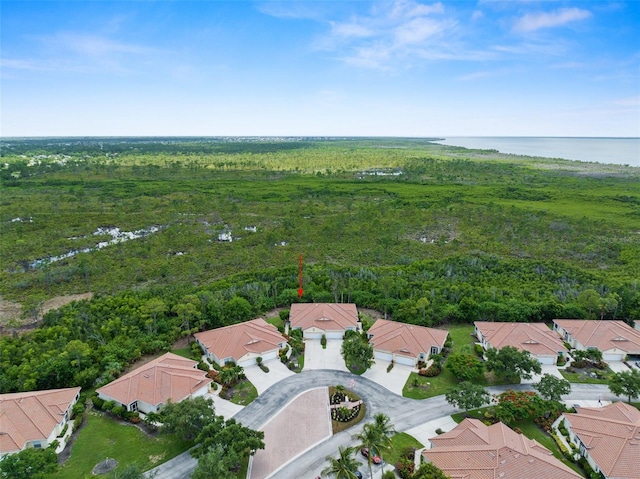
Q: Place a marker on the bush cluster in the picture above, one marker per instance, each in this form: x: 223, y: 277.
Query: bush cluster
x: 430, y: 372
x: 116, y: 410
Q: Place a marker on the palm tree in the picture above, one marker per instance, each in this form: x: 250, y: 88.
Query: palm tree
x: 342, y: 467
x: 382, y: 424
x: 369, y: 438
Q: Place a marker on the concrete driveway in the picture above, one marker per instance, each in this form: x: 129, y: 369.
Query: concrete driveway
x: 222, y: 407
x: 427, y: 430
x: 263, y: 381
x: 546, y: 369
x: 317, y: 358
x: 393, y: 380
x: 618, y: 366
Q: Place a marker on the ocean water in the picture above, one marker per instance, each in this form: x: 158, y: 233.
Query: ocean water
x: 621, y: 151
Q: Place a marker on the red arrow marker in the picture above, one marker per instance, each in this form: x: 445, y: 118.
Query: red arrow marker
x: 300, y: 277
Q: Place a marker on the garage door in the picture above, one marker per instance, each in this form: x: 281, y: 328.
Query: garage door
x: 311, y: 335
x: 269, y: 356
x: 382, y: 356
x: 550, y: 360
x: 335, y: 335
x: 612, y: 357
x: 405, y: 360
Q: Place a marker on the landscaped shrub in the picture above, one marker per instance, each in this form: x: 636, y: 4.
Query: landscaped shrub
x: 562, y: 360
x: 77, y: 422
x: 97, y: 402
x: 390, y: 366
x: 432, y: 371
x: 203, y: 366
x: 213, y: 374
x: 108, y: 405
x: 478, y: 349
x: 119, y: 411
x: 78, y: 408
x: 439, y: 431
x: 389, y: 475
x: 196, y: 350
x: 323, y: 340
x: 64, y: 430
x: 405, y: 467
x: 437, y: 359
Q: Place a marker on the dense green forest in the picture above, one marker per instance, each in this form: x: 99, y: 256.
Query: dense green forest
x: 425, y: 233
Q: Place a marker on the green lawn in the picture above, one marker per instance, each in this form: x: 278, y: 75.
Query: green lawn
x: 399, y: 443
x: 243, y: 393
x: 102, y: 437
x: 277, y: 322
x: 581, y: 378
x: 420, y: 387
x: 184, y: 352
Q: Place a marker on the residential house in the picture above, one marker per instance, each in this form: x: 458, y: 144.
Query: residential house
x: 608, y: 437
x: 242, y: 343
x: 473, y: 450
x: 616, y: 339
x: 330, y: 319
x: 544, y: 344
x: 405, y: 343
x: 148, y: 388
x: 35, y: 418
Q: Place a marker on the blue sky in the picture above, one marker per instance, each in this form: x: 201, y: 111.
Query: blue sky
x: 398, y: 68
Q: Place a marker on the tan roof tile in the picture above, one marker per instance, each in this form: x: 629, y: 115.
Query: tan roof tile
x: 536, y: 338
x: 611, y: 435
x: 405, y: 339
x: 32, y: 416
x: 603, y: 335
x: 168, y: 377
x: 473, y: 450
x: 255, y: 336
x: 324, y: 316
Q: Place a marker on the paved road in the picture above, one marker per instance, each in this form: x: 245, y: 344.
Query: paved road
x: 404, y: 414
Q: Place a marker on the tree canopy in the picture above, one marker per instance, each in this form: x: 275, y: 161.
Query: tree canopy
x: 467, y: 395
x: 625, y: 383
x: 552, y: 388
x: 509, y: 363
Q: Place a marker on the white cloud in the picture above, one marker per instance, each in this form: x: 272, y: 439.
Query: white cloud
x: 536, y: 21
x: 390, y: 33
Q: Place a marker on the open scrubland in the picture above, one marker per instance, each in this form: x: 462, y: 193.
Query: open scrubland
x: 421, y: 232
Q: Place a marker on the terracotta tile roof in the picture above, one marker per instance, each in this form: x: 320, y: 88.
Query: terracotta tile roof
x: 325, y: 316
x: 603, y: 335
x: 474, y: 451
x: 168, y: 377
x: 255, y: 336
x: 32, y: 416
x: 405, y: 339
x: 611, y: 435
x: 536, y: 338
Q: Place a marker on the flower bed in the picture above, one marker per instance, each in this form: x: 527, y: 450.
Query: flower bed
x: 343, y: 417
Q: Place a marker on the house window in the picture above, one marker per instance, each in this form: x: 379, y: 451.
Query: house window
x: 434, y: 350
x: 133, y: 406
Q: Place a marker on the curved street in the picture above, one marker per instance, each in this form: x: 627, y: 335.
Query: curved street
x: 404, y: 414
